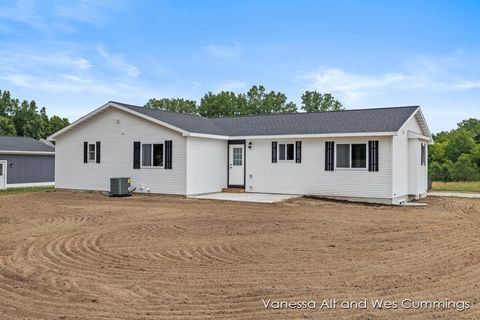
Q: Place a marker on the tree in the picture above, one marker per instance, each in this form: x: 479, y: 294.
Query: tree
x: 175, y: 105
x: 56, y: 123
x: 7, y: 128
x: 472, y: 125
x: 460, y: 141
x: 440, y: 171
x: 313, y: 101
x: 258, y: 101
x: 225, y: 103
x: 465, y: 169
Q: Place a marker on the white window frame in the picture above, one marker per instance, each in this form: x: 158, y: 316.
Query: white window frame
x: 151, y: 155
x: 286, y: 151
x: 94, y: 160
x: 351, y: 155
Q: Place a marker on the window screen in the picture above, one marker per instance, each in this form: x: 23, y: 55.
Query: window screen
x: 343, y: 156
x: 281, y: 151
x: 91, y: 152
x: 146, y: 155
x: 158, y: 155
x: 237, y: 156
x: 359, y: 155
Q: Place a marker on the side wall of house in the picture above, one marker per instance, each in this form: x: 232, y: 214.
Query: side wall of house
x: 409, y: 176
x: 117, y: 130
x: 29, y: 168
x: 310, y: 177
x: 206, y: 165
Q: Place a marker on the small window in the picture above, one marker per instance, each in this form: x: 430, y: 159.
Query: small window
x: 281, y: 152
x: 286, y: 151
x: 359, y: 155
x: 1, y: 169
x: 237, y: 156
x: 343, y: 156
x: 91, y: 152
x: 423, y: 160
x: 158, y: 155
x: 290, y: 151
x: 152, y: 155
x: 146, y: 155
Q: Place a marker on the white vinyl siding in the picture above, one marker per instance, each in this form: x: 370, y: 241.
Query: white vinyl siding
x: 409, y: 176
x: 117, y: 155
x: 310, y: 177
x: 206, y: 165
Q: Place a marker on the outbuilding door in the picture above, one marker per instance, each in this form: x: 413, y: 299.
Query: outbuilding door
x: 3, y: 174
x: 236, y: 165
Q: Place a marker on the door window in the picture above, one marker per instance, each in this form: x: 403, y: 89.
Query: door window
x: 237, y: 156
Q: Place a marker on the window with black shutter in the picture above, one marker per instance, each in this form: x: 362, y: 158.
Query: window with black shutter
x: 329, y: 155
x: 136, y: 155
x: 168, y: 154
x: 97, y: 158
x: 274, y: 151
x: 298, y: 151
x: 373, y: 155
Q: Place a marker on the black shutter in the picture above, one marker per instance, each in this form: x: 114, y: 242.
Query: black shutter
x: 298, y: 153
x: 85, y: 152
x: 274, y: 151
x: 329, y: 155
x: 136, y: 155
x: 97, y: 152
x: 168, y: 154
x: 373, y: 155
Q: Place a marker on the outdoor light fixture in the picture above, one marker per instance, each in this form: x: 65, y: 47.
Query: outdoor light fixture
x: 250, y: 145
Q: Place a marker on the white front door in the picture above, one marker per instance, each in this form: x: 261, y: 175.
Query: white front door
x: 3, y: 174
x: 236, y: 165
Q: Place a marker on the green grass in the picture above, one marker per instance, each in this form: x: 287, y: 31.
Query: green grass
x: 470, y: 186
x: 25, y: 190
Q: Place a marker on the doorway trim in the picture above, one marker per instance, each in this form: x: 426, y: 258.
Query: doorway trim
x: 244, y: 142
x: 4, y: 176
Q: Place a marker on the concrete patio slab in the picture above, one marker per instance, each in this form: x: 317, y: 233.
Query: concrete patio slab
x: 246, y: 196
x: 473, y: 195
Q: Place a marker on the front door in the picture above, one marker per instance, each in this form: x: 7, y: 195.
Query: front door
x: 3, y: 174
x: 236, y: 165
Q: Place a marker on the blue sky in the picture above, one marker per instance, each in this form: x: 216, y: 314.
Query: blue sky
x: 72, y: 57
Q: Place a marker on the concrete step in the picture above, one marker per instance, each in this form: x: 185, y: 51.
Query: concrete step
x: 233, y: 190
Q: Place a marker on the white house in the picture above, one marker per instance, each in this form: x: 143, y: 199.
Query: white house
x: 377, y: 155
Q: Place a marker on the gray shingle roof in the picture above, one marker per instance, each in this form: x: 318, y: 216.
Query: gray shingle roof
x: 8, y: 143
x: 348, y: 121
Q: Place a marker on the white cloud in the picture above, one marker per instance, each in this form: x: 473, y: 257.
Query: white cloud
x: 431, y: 74
x: 117, y: 61
x: 223, y: 51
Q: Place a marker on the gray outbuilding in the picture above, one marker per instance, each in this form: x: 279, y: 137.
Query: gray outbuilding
x: 26, y: 162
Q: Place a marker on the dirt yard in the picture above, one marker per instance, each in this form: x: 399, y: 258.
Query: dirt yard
x: 66, y: 255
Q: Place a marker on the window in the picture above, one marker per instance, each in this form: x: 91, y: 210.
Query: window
x: 281, y: 151
x: 237, y: 156
x: 91, y: 152
x: 359, y: 155
x: 1, y: 169
x: 423, y: 160
x: 343, y: 156
x: 352, y: 155
x: 286, y: 151
x: 152, y: 155
x: 290, y: 151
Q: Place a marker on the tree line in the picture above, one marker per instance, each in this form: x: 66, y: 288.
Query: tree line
x: 257, y: 100
x: 455, y: 155
x: 24, y: 118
